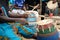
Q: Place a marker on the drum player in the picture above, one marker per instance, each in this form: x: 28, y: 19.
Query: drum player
x: 6, y: 29
x: 18, y: 6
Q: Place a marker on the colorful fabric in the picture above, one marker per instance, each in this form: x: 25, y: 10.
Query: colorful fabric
x: 3, y: 38
x: 11, y: 2
x: 24, y: 30
x: 7, y: 31
x: 20, y: 3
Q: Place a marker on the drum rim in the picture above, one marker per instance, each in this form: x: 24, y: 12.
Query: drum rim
x: 42, y: 21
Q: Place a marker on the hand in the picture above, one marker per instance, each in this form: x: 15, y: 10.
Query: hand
x: 25, y: 15
x: 21, y: 20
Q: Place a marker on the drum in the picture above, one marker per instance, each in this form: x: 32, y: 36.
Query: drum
x: 32, y: 16
x: 47, y: 30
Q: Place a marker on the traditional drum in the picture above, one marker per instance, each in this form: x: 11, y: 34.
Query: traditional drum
x: 47, y: 31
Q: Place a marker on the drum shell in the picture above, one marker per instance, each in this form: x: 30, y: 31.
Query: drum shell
x: 50, y: 35
x: 53, y: 36
x: 46, y: 30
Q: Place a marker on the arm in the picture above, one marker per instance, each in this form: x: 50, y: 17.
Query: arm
x: 12, y: 19
x: 17, y: 15
x: 12, y: 15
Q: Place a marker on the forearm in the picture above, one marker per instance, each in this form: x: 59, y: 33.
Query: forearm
x: 18, y: 15
x: 12, y: 19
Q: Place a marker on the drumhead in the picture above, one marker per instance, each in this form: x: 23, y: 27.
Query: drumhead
x: 44, y: 22
x: 50, y: 5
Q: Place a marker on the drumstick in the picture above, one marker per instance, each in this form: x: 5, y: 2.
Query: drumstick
x: 35, y: 7
x: 42, y: 28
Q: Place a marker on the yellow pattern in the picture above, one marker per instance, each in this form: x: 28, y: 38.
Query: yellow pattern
x: 1, y: 37
x: 21, y: 26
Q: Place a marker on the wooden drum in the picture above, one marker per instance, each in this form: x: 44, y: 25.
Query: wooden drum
x: 47, y: 30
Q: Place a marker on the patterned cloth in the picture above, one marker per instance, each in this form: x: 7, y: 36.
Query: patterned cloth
x: 11, y: 2
x: 7, y: 31
x: 24, y: 30
x: 20, y: 3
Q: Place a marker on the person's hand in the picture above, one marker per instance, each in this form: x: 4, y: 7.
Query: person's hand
x: 25, y: 15
x: 21, y: 20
